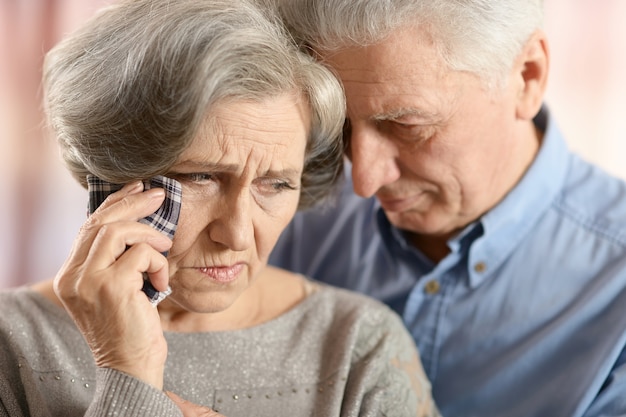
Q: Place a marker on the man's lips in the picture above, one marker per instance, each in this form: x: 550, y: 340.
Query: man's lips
x: 222, y: 274
x: 394, y: 204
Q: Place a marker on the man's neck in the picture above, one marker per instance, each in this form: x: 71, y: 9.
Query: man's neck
x: 434, y: 248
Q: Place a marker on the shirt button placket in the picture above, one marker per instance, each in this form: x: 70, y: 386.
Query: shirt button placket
x: 480, y: 267
x: 432, y: 287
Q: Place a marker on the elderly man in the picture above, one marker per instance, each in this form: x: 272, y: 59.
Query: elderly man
x: 504, y: 252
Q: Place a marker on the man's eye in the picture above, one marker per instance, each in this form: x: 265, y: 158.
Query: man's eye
x: 405, y: 127
x: 409, y: 133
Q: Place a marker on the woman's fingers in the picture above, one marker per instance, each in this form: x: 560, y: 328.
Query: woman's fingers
x: 113, y: 235
x: 122, y: 275
x: 190, y: 409
x: 112, y: 240
x: 114, y: 225
x: 100, y: 284
x: 127, y: 205
x: 142, y: 258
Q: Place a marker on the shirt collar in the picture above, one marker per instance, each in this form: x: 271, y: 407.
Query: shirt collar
x: 509, y: 222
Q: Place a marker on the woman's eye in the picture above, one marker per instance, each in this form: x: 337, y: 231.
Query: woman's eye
x: 282, y: 185
x: 272, y: 185
x: 196, y: 177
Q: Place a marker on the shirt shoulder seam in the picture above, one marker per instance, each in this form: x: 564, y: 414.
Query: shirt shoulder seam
x: 602, y: 228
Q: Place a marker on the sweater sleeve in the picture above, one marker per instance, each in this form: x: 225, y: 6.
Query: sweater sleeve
x: 9, y: 405
x: 387, y: 378
x: 119, y: 394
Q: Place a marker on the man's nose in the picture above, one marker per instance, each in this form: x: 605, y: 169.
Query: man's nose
x: 374, y: 161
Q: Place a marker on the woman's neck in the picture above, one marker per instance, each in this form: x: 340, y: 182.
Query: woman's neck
x: 273, y: 293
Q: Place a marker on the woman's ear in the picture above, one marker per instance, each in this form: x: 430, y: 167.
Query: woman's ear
x: 531, y: 69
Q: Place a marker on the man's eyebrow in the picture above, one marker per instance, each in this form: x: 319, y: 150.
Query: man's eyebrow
x: 403, y: 112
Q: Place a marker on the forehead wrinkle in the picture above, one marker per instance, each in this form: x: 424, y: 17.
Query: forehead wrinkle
x: 241, y: 136
x: 237, y: 131
x: 249, y: 154
x: 252, y: 155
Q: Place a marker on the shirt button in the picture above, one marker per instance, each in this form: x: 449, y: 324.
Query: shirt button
x: 480, y: 267
x: 432, y: 287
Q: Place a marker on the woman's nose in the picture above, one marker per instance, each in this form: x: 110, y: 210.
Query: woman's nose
x: 233, y: 227
x: 373, y: 161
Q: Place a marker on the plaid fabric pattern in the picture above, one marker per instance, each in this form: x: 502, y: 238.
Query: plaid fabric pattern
x: 165, y: 219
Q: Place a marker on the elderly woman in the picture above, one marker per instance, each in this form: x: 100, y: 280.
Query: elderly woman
x: 210, y: 100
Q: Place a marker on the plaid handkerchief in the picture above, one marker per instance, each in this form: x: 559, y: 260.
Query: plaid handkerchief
x: 164, y: 219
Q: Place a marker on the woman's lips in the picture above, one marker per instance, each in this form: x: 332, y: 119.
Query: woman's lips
x: 222, y: 274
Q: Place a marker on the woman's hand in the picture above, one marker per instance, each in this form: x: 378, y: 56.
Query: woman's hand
x: 191, y: 409
x: 100, y: 284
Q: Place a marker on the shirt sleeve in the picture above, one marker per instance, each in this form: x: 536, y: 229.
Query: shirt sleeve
x: 387, y: 378
x: 611, y: 400
x: 119, y: 394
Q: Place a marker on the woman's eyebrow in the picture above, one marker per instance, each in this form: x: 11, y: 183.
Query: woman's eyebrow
x: 230, y: 168
x: 205, y: 166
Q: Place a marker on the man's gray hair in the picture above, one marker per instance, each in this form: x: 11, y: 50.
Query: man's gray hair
x: 479, y: 36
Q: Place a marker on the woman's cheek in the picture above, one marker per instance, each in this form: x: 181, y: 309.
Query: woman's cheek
x: 184, y: 237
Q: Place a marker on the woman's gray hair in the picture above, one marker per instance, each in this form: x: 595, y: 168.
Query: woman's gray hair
x: 126, y: 94
x: 479, y: 36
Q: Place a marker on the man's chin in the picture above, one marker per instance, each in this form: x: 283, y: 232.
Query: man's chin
x: 427, y: 224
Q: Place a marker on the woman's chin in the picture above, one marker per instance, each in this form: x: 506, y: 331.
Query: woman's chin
x: 207, y: 304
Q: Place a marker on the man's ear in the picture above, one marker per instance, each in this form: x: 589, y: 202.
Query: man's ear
x: 531, y: 75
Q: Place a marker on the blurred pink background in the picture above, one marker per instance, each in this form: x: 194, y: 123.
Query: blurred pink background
x: 42, y: 207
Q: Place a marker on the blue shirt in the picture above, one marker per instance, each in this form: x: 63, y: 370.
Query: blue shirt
x: 527, y: 314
